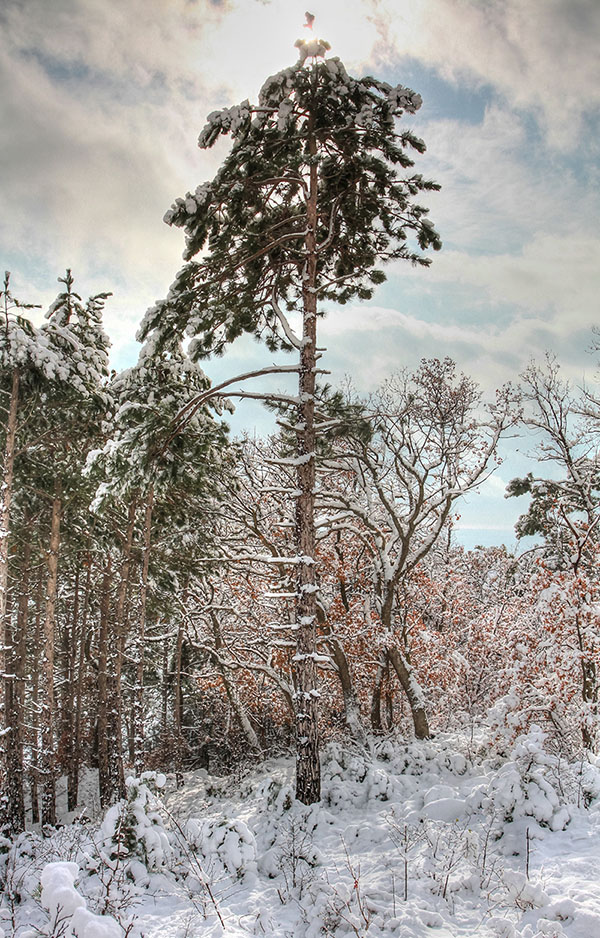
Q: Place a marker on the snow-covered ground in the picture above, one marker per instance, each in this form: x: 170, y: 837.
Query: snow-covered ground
x: 440, y: 839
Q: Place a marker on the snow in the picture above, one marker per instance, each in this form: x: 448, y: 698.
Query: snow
x: 444, y: 838
x: 67, y: 909
x: 58, y: 892
x: 311, y: 48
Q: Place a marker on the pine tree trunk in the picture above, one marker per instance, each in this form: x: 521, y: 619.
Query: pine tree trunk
x: 16, y: 700
x: 35, y: 713
x: 73, y: 780
x: 137, y: 713
x: 13, y: 813
x: 48, y: 760
x: 178, y: 708
x: 308, y: 769
x: 164, y: 693
x: 116, y: 744
x: 7, y: 486
x: 178, y: 697
x: 68, y: 714
x: 107, y: 792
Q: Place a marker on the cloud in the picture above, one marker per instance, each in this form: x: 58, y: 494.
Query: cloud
x: 135, y: 42
x: 103, y: 100
x: 371, y: 342
x: 501, y: 184
x: 554, y: 279
x: 540, y: 56
x: 100, y: 121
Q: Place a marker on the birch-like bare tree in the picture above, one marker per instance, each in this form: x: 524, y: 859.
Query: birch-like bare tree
x: 432, y: 443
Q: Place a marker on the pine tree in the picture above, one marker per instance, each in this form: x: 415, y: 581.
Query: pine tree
x: 316, y: 193
x: 145, y: 468
x: 19, y: 361
x: 71, y: 368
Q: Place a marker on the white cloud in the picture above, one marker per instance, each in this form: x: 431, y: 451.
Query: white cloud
x: 103, y: 100
x: 500, y: 186
x: 540, y: 55
x: 371, y: 342
x: 554, y: 279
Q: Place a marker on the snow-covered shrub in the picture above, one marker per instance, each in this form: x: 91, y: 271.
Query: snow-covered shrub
x: 292, y: 850
x: 351, y: 778
x: 589, y: 780
x: 523, y: 787
x: 289, y: 833
x: 522, y: 892
x: 133, y: 831
x: 278, y: 797
x: 222, y: 844
x: 20, y: 867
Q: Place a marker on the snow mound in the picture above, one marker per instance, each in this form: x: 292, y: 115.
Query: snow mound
x: 69, y: 915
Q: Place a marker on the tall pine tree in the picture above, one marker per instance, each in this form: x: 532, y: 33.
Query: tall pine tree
x: 317, y: 191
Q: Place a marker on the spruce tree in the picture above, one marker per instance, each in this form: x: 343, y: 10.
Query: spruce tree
x: 317, y: 192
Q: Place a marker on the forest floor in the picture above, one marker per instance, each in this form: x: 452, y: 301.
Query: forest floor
x: 435, y: 839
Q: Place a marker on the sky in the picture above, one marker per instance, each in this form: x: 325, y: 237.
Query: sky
x: 102, y: 101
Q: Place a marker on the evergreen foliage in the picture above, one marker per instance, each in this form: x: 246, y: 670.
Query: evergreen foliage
x: 251, y: 219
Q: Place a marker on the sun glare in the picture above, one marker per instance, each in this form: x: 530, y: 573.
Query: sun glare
x: 258, y: 39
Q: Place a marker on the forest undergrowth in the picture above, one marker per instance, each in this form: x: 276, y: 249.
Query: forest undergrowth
x: 450, y: 836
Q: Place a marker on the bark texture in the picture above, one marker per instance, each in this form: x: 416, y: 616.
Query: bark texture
x: 48, y: 760
x: 308, y: 769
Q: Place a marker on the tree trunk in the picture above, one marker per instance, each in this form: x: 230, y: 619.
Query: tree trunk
x: 73, y: 779
x: 178, y: 708
x: 137, y: 713
x: 413, y: 692
x: 16, y: 700
x: 35, y: 714
x: 308, y: 769
x: 105, y: 779
x: 403, y: 668
x: 7, y: 486
x: 351, y: 705
x: 589, y: 689
x: 178, y: 696
x: 116, y: 724
x: 48, y: 761
x: 589, y: 693
x: 382, y: 667
x: 164, y: 695
x: 231, y: 691
x: 71, y: 637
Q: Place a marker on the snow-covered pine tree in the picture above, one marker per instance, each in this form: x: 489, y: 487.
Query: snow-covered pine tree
x: 18, y: 354
x: 57, y: 375
x: 317, y: 192
x: 78, y: 352
x: 143, y: 466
